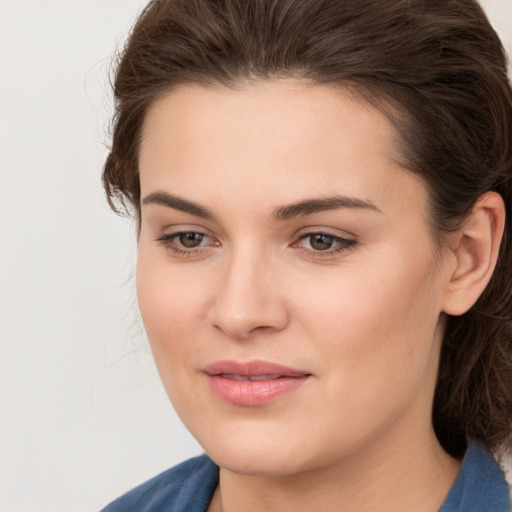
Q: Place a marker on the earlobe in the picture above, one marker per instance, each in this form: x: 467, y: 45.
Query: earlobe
x: 476, y: 252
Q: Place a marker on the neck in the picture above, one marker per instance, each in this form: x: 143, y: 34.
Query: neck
x: 387, y: 478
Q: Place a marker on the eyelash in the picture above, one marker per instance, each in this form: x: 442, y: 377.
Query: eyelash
x: 344, y: 244
x: 168, y: 241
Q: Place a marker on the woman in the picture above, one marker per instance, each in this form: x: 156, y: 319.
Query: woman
x: 321, y: 190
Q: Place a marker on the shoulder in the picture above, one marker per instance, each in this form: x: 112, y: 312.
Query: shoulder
x: 480, y: 485
x: 187, y: 486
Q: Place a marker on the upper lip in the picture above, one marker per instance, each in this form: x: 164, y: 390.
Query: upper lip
x: 252, y: 369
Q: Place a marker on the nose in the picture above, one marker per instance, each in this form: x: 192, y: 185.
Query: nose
x: 248, y: 299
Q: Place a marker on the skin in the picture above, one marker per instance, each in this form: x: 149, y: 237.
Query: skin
x: 365, y: 318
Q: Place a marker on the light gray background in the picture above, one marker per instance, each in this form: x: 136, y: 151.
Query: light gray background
x: 83, y: 416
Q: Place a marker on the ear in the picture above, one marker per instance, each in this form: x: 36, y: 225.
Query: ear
x: 475, y: 252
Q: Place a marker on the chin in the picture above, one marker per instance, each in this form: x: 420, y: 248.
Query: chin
x: 258, y: 454
x: 244, y: 451
x: 253, y: 462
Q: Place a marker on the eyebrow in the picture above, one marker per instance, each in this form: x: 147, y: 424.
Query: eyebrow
x: 310, y: 206
x: 301, y: 208
x: 177, y: 203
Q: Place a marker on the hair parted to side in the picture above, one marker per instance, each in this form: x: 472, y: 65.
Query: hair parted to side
x: 438, y: 71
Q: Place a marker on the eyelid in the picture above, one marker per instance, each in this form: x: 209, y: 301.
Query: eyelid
x: 337, y: 238
x: 322, y: 230
x: 168, y: 237
x: 344, y: 243
x: 178, y: 228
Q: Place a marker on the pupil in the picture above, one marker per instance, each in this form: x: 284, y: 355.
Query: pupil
x: 191, y: 240
x: 321, y: 242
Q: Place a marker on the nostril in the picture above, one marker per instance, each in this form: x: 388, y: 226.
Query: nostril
x: 241, y: 311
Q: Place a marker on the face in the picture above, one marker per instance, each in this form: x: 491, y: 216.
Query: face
x: 287, y: 277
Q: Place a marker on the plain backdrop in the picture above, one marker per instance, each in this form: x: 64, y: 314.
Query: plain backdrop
x: 83, y: 416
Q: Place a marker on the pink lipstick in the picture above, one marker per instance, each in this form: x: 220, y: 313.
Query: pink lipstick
x: 254, y: 382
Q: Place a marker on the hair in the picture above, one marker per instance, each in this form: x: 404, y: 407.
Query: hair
x: 438, y: 71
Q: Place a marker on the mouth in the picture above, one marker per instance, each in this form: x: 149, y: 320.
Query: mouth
x: 253, y: 383
x: 253, y: 378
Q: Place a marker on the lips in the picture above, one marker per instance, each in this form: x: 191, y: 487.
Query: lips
x: 235, y: 376
x: 253, y: 383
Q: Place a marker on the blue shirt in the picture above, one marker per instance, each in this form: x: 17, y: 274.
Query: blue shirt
x: 480, y: 485
x: 188, y: 487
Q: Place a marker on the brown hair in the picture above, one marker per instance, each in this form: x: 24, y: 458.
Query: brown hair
x: 438, y: 71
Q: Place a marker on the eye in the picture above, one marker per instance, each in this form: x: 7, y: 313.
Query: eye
x: 320, y: 242
x: 327, y: 243
x: 190, y: 240
x: 186, y: 243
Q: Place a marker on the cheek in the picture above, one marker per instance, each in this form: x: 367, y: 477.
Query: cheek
x: 170, y: 307
x: 169, y: 302
x: 375, y: 340
x: 377, y: 325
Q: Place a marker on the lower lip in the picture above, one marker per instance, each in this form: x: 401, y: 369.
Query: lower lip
x: 250, y: 392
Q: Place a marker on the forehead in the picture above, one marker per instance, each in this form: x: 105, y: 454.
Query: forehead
x: 280, y: 139
x: 259, y: 113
